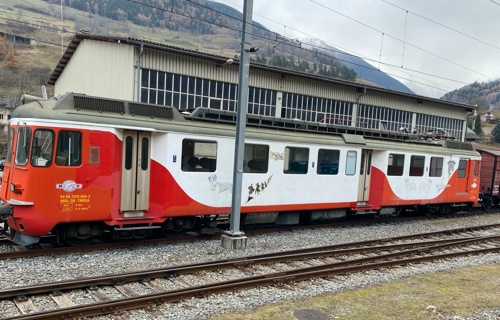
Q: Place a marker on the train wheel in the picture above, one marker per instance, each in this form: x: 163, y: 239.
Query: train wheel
x: 77, y: 242
x: 430, y: 210
x: 496, y: 201
x: 486, y: 204
x: 180, y: 224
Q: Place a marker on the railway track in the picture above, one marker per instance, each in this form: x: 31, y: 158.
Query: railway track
x: 47, y: 249
x: 150, y: 288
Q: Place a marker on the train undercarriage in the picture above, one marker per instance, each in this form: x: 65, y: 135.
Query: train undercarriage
x: 85, y: 233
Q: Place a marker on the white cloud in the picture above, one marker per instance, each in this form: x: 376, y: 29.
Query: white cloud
x: 448, y: 43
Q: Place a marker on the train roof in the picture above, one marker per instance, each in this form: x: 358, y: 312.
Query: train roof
x: 83, y: 109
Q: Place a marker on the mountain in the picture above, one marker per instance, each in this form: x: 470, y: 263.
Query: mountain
x: 486, y: 95
x: 206, y: 26
x: 363, y: 69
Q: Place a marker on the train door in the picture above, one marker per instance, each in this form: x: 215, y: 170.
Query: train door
x: 462, y: 176
x: 364, y: 175
x: 135, y: 171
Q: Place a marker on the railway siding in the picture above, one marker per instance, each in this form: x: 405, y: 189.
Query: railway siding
x: 278, y: 272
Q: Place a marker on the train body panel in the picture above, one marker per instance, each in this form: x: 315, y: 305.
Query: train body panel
x: 490, y: 176
x: 453, y: 181
x: 76, y: 171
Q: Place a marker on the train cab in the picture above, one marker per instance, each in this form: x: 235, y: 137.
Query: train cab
x: 49, y: 180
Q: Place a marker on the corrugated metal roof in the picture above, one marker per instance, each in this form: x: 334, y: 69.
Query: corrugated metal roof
x: 160, y: 46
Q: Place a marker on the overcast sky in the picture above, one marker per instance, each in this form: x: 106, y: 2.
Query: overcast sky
x: 433, y: 46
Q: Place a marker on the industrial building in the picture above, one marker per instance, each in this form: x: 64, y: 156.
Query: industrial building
x: 138, y: 70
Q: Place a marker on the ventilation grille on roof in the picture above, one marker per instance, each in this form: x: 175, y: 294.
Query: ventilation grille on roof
x: 97, y: 104
x: 458, y: 145
x: 151, y: 111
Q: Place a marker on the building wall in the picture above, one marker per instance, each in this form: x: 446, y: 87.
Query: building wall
x: 101, y: 69
x: 107, y: 69
x: 4, y: 117
x: 196, y: 67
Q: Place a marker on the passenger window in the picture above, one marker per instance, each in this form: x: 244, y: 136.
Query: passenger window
x: 296, y: 160
x: 69, y: 149
x: 198, y: 155
x: 41, y: 151
x: 256, y: 158
x: 462, y: 168
x: 350, y: 163
x: 436, y: 169
x: 396, y: 164
x: 417, y: 166
x: 328, y: 162
x: 23, y: 145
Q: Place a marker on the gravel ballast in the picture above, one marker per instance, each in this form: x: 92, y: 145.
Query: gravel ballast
x: 30, y: 271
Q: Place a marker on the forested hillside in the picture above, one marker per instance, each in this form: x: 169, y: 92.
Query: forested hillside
x: 486, y: 95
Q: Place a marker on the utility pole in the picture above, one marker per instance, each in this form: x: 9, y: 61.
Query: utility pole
x: 235, y: 238
x: 62, y: 30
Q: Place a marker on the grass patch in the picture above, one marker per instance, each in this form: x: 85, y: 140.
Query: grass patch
x: 462, y: 292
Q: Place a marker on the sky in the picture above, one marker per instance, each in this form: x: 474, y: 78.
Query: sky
x: 432, y: 46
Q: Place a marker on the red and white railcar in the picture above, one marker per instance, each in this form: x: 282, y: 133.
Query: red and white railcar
x: 78, y: 166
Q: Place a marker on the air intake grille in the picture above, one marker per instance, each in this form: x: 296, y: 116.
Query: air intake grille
x: 151, y: 111
x: 458, y: 145
x: 102, y: 105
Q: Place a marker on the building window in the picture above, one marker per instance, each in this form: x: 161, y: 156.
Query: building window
x: 186, y: 93
x: 383, y: 118
x: 427, y: 122
x: 315, y: 109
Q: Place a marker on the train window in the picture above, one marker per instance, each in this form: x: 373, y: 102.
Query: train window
x: 256, y: 158
x: 41, y: 151
x: 395, y: 165
x: 144, y: 154
x: 417, y: 166
x: 9, y: 145
x: 462, y: 168
x: 328, y: 162
x: 69, y: 148
x: 476, y: 169
x: 436, y: 169
x: 199, y: 155
x: 23, y: 145
x: 350, y: 163
x: 128, y: 152
x: 296, y: 160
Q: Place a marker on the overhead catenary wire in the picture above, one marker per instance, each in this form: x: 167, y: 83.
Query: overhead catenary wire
x: 312, y: 45
x: 388, y: 65
x: 315, y: 47
x: 443, y: 25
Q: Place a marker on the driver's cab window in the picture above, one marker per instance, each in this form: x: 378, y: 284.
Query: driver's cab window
x: 23, y: 146
x: 12, y: 133
x: 41, y: 151
x: 69, y: 148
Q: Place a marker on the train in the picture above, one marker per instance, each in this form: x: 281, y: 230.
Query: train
x: 79, y: 167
